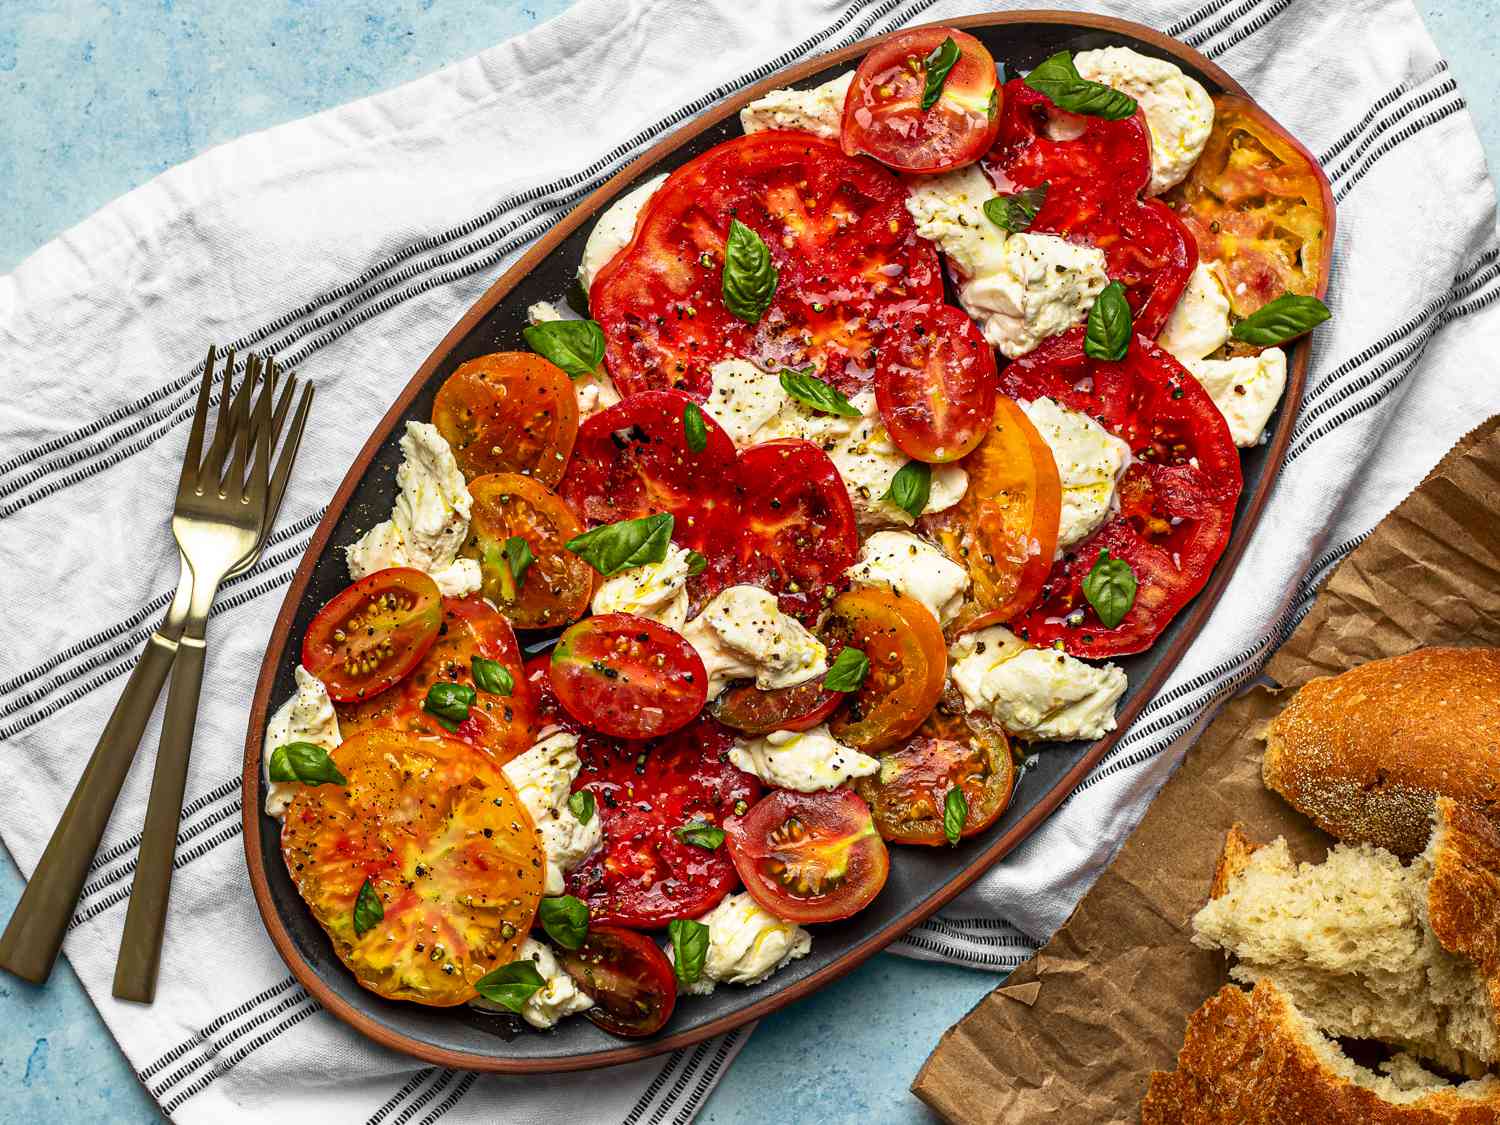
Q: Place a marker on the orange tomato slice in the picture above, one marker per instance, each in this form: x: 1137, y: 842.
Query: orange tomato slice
x: 511, y: 412
x: 556, y: 587
x: 908, y: 663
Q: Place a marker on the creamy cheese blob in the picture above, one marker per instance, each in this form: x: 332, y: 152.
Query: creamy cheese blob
x: 1246, y: 390
x: 594, y: 391
x: 559, y: 996
x: 1019, y: 288
x: 1199, y: 325
x: 806, y: 761
x: 543, y: 779
x: 910, y: 566
x: 657, y: 590
x: 614, y: 230
x: 742, y: 634
x: 1035, y: 693
x: 819, y: 111
x: 1179, y: 112
x: 746, y: 944
x: 743, y: 399
x: 308, y: 716
x: 429, y: 522
x: 1089, y: 462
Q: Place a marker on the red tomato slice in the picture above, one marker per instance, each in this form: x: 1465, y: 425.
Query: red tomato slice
x: 628, y: 676
x: 846, y: 252
x: 627, y: 976
x: 748, y: 709
x: 1177, y: 500
x: 633, y: 460
x: 644, y: 875
x: 810, y: 857
x: 798, y: 534
x: 883, y: 114
x: 373, y: 632
x: 935, y: 383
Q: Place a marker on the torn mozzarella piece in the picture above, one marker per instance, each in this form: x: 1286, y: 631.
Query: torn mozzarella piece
x: 558, y: 997
x: 543, y: 779
x: 1199, y: 325
x: 308, y: 716
x: 746, y: 944
x: 910, y: 566
x: 657, y: 590
x: 819, y: 111
x: 1089, y: 461
x: 614, y: 230
x: 743, y: 634
x: 1246, y: 390
x: 806, y: 761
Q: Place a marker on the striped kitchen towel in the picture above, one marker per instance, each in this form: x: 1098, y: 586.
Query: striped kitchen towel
x: 351, y: 241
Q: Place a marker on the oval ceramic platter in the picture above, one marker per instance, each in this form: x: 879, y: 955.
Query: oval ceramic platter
x: 922, y: 880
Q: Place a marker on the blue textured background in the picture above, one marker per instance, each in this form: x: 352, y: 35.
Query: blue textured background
x: 98, y: 96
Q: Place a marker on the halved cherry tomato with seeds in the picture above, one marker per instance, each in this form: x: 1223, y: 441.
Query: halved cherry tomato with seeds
x: 908, y: 795
x: 628, y: 676
x: 1004, y: 530
x: 373, y: 632
x: 935, y: 383
x: 750, y: 710
x: 908, y: 663
x: 809, y: 857
x: 627, y: 976
x: 883, y: 114
x: 511, y: 412
x: 555, y: 589
x: 448, y: 849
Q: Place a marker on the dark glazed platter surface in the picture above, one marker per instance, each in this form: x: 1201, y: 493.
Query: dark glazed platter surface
x: 921, y: 879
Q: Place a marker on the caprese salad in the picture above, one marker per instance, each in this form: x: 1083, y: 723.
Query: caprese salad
x: 800, y: 547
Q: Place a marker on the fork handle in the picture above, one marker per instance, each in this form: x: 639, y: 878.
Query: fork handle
x: 140, y: 944
x: 35, y: 932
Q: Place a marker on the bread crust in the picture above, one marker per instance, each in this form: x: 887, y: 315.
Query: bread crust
x: 1463, y: 894
x: 1238, y: 848
x: 1364, y: 754
x: 1247, y: 1060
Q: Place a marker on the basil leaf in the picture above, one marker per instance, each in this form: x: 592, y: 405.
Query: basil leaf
x: 811, y: 391
x: 955, y: 813
x: 1108, y: 333
x: 306, y: 762
x: 910, y: 488
x: 577, y: 346
x: 449, y: 702
x: 519, y: 558
x: 700, y: 835
x: 848, y: 671
x: 1059, y: 79
x: 492, y: 676
x: 689, y: 948
x: 511, y: 985
x: 618, y: 546
x: 937, y: 65
x: 367, y: 909
x: 1015, y: 213
x: 1283, y: 319
x: 1110, y: 589
x: 566, y: 920
x: 696, y: 563
x: 749, y: 277
x: 581, y: 805
x: 693, y: 428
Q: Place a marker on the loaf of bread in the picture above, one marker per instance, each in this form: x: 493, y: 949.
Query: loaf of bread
x: 1253, y: 1059
x: 1365, y: 753
x: 1368, y: 948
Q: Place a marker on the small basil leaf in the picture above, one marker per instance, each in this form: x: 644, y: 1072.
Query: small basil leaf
x: 696, y: 563
x: 848, y: 671
x: 808, y: 389
x: 700, y: 835
x: 911, y: 487
x: 577, y: 346
x: 689, y: 948
x: 1283, y: 319
x: 1015, y: 213
x: 749, y: 277
x: 511, y: 985
x: 955, y: 813
x: 1108, y: 333
x: 581, y: 805
x: 450, y: 702
x: 519, y: 558
x: 566, y: 920
x: 306, y: 762
x: 1059, y: 79
x: 492, y: 676
x: 618, y: 546
x: 1110, y: 589
x: 937, y: 65
x: 693, y: 428
x: 367, y: 909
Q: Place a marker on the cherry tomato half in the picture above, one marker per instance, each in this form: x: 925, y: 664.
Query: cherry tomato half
x: 629, y: 979
x: 809, y: 857
x: 935, y: 383
x: 628, y: 676
x: 883, y: 114
x: 373, y: 632
x: 908, y: 663
x: 555, y: 589
x: 511, y: 412
x: 750, y: 710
